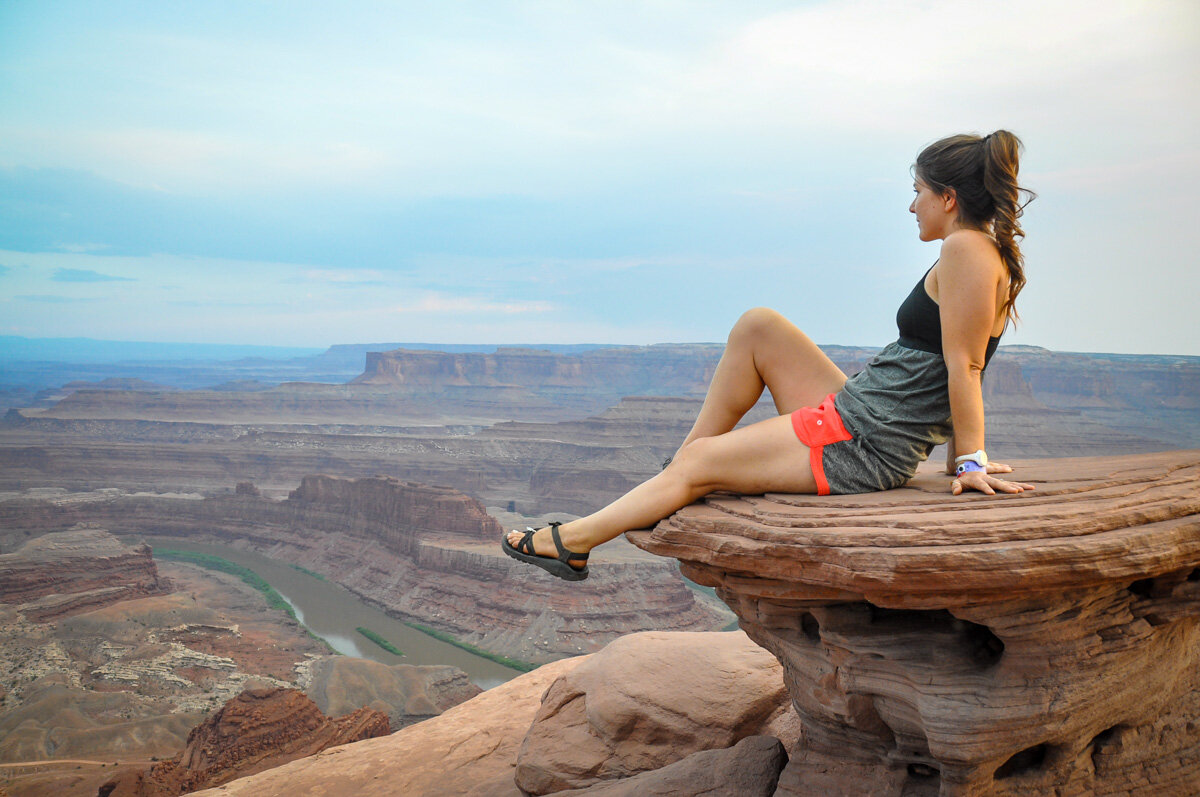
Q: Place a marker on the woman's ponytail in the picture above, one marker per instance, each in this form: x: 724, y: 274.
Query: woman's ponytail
x: 983, y: 173
x: 1001, y: 154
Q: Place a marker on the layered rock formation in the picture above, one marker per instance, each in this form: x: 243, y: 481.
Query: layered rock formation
x: 257, y: 730
x: 125, y: 678
x: 76, y: 571
x: 1047, y: 642
x: 445, y: 423
x: 1042, y: 643
x: 1156, y: 396
x: 429, y: 554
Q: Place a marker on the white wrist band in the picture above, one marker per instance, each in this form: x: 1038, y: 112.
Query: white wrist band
x: 979, y: 457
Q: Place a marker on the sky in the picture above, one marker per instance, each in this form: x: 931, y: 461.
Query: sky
x: 306, y: 174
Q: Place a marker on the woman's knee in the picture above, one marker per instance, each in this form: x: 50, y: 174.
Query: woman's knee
x: 694, y: 463
x: 755, y: 323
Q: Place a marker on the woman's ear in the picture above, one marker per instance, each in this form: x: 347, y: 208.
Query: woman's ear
x: 950, y: 200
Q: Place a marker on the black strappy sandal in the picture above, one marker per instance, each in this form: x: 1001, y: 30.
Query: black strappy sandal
x: 561, y: 567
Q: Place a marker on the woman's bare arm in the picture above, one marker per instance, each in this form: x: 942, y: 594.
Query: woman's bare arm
x: 968, y: 275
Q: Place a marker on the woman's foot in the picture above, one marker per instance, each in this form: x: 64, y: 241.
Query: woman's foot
x: 544, y: 548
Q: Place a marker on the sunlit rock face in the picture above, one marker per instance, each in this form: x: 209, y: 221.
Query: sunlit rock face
x: 1047, y: 642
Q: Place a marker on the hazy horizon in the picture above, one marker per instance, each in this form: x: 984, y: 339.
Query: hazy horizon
x: 292, y: 174
x: 94, y: 351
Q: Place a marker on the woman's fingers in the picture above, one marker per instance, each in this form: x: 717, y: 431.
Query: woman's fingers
x: 974, y: 480
x: 998, y: 467
x: 977, y: 480
x: 1011, y: 487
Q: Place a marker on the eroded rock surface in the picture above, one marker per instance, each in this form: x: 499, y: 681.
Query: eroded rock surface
x: 444, y: 418
x: 654, y: 713
x: 649, y: 700
x: 1047, y: 642
x: 128, y: 680
x: 257, y: 730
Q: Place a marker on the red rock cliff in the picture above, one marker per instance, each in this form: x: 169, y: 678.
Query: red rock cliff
x: 63, y: 574
x: 403, y: 513
x: 258, y: 730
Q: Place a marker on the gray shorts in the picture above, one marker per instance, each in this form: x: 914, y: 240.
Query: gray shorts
x: 854, y: 466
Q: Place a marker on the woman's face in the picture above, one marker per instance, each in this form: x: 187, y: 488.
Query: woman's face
x: 937, y: 214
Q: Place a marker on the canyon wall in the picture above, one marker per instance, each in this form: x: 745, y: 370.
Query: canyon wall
x: 110, y: 656
x: 473, y: 422
x: 258, y: 730
x: 1041, y: 643
x: 64, y: 574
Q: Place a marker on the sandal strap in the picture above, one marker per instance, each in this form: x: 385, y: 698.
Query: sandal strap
x: 565, y: 556
x: 525, y: 544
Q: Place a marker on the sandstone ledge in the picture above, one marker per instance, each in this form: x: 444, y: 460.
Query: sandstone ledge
x: 1091, y: 521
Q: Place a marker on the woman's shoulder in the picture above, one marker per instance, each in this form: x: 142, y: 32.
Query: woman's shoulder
x: 970, y: 250
x: 970, y: 243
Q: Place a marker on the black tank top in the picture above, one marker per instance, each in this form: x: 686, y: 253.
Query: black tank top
x: 920, y: 321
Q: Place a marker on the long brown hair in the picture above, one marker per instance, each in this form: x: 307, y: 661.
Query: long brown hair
x: 982, y: 171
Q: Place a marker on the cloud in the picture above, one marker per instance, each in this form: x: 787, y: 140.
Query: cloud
x: 462, y: 305
x: 85, y: 275
x: 208, y: 304
x: 48, y: 299
x: 345, y: 278
x: 79, y: 249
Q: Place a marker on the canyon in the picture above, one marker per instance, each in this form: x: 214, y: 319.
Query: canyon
x: 396, y: 483
x: 110, y: 656
x: 534, y: 432
x: 426, y: 554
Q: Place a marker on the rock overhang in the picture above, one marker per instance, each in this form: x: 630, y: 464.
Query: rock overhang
x: 1046, y: 642
x: 1091, y: 521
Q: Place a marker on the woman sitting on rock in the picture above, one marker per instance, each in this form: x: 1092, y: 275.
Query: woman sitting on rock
x: 866, y: 433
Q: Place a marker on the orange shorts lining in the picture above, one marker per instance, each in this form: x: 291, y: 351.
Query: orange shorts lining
x: 817, y: 427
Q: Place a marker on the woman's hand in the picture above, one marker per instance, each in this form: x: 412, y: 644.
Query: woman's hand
x: 985, y: 483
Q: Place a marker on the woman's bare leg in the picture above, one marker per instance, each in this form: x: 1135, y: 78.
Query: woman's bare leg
x: 762, y: 457
x: 764, y: 350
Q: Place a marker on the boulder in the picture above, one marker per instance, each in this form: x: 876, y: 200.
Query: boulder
x: 649, y: 700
